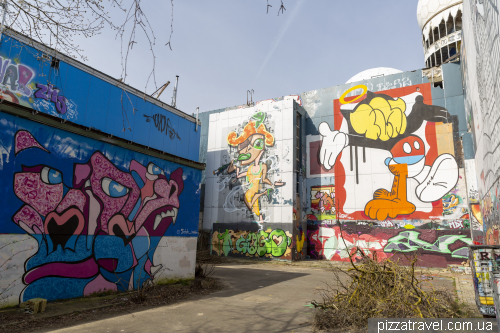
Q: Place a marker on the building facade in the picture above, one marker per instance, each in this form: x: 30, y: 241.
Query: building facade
x: 254, y: 180
x: 100, y: 183
x: 385, y: 157
x: 480, y: 69
x: 441, y: 25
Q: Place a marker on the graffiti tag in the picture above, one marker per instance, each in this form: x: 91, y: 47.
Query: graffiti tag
x: 409, y: 241
x: 262, y: 243
x: 163, y: 125
x: 16, y: 76
x: 50, y: 92
x: 259, y: 243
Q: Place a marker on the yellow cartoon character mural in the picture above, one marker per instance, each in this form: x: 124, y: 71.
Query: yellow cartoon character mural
x: 251, y: 144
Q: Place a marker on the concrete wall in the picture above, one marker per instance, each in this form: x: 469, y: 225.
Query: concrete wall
x: 265, y: 192
x: 385, y: 156
x: 80, y: 215
x: 480, y: 68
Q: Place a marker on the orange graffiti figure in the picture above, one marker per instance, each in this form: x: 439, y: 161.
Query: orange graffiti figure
x: 408, y: 160
x: 251, y: 146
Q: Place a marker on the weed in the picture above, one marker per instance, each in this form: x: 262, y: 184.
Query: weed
x: 374, y: 288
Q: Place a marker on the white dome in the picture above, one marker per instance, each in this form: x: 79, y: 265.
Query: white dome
x: 428, y: 8
x: 374, y: 72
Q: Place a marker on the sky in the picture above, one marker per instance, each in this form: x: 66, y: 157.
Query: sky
x: 222, y: 48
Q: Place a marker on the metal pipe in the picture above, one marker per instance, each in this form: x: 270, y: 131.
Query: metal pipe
x: 455, y: 30
x: 174, y: 98
x: 159, y: 91
x: 197, y: 111
x: 439, y: 42
x: 4, y: 5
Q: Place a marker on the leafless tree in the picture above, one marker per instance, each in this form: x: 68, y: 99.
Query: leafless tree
x: 57, y: 24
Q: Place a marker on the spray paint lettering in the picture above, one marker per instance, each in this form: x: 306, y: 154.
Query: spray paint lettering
x: 332, y: 243
x: 262, y: 243
x: 409, y: 241
x: 268, y: 243
x: 50, y: 92
x: 16, y: 77
x: 163, y: 124
x: 386, y: 224
x: 339, y: 245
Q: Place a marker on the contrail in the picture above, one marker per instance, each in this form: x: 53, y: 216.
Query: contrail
x: 278, y: 39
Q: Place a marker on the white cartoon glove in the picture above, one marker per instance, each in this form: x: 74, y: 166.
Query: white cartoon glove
x: 442, y: 177
x: 332, y: 143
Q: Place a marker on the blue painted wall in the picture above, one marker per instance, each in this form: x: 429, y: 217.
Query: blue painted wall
x: 72, y: 94
x: 96, y: 211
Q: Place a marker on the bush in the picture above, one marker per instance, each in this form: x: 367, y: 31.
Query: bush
x: 381, y: 289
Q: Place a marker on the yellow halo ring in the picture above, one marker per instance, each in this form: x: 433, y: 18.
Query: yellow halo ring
x: 360, y: 86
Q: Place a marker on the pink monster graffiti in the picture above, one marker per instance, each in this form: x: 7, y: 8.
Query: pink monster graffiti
x: 116, y: 212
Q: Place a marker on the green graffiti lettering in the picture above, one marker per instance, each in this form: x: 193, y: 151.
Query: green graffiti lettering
x: 409, y: 241
x: 261, y: 243
x: 252, y: 243
x: 242, y: 245
x: 259, y: 118
x: 224, y: 243
x: 279, y: 242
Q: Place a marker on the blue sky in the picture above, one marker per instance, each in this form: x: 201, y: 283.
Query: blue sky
x: 222, y: 48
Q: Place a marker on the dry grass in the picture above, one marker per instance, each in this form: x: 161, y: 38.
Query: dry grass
x: 205, y: 264
x: 381, y: 289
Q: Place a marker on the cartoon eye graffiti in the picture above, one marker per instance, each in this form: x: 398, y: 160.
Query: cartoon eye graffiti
x: 154, y: 169
x: 407, y: 148
x: 113, y: 189
x: 51, y: 176
x: 416, y: 145
x: 258, y: 144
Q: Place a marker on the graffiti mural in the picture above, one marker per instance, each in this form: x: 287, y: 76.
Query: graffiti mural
x: 483, y: 261
x: 394, y: 134
x: 477, y: 224
x: 70, y: 92
x: 18, y: 85
x: 97, y: 212
x: 409, y: 241
x: 267, y: 243
x: 491, y: 215
x: 251, y: 145
x: 322, y: 203
x: 249, y: 169
x: 481, y: 93
x: 50, y: 92
x: 300, y: 239
x: 435, y: 248
x: 331, y: 243
x: 16, y: 80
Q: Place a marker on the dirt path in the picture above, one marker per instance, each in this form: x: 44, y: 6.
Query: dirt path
x: 258, y: 297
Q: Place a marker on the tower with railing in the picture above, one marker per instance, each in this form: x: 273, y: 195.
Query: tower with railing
x: 441, y: 25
